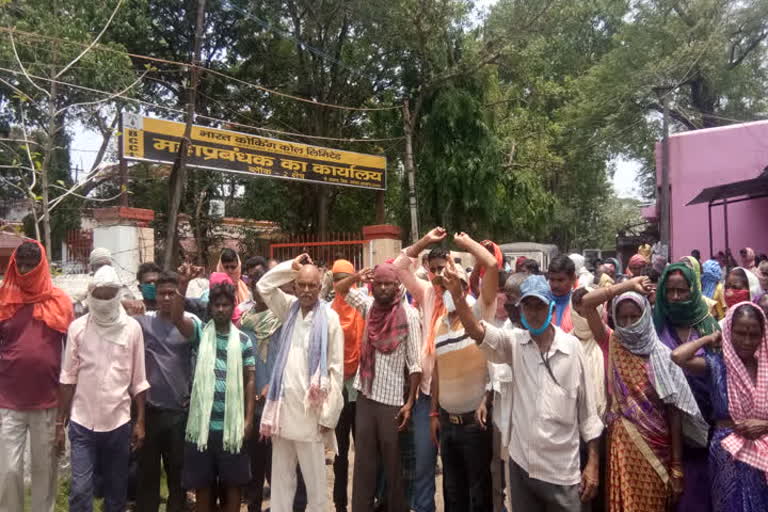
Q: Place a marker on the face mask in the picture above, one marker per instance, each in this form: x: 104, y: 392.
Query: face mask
x: 104, y: 311
x: 148, y: 291
x: 733, y: 297
x: 450, y: 306
x: 540, y: 330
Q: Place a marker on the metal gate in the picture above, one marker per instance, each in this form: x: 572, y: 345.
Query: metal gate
x: 323, y: 250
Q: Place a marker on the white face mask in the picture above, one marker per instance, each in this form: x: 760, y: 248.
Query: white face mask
x: 104, y: 311
x: 450, y: 306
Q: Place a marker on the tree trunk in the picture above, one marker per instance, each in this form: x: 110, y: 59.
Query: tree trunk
x: 322, y: 209
x: 47, y: 157
x: 178, y: 173
x: 410, y: 169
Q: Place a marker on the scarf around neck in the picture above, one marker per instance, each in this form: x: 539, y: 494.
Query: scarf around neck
x: 385, y: 330
x: 667, y: 378
x: 263, y: 325
x: 745, y: 398
x: 319, y: 382
x: 692, y: 313
x: 204, y: 388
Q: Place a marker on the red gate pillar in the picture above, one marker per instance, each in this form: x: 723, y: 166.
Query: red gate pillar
x: 383, y: 241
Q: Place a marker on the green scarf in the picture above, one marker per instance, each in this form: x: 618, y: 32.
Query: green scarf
x: 204, y: 386
x: 691, y: 313
x: 263, y: 325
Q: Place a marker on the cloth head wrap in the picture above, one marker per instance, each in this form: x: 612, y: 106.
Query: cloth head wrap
x: 107, y: 316
x: 342, y: 267
x: 385, y: 271
x: 100, y: 256
x: 51, y: 305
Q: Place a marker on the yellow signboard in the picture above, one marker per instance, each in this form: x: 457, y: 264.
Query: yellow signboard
x: 156, y: 140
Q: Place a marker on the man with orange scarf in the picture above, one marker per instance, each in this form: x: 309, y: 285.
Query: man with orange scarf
x: 352, y: 324
x: 429, y: 297
x: 34, y: 317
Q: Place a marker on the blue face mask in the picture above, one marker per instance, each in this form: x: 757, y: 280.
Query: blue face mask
x: 540, y: 330
x: 148, y: 291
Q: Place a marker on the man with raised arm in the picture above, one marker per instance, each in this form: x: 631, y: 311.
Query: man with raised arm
x: 304, y: 399
x: 428, y: 296
x: 389, y: 351
x: 553, y: 401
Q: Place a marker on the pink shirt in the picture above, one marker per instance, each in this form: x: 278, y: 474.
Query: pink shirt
x: 106, y: 375
x: 424, y: 294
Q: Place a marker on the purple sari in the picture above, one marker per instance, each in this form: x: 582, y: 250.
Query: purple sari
x: 697, y: 485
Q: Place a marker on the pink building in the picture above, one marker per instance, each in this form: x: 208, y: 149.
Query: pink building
x: 710, y: 158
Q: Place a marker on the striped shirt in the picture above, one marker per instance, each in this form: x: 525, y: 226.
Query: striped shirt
x: 388, y: 386
x: 462, y: 367
x: 220, y: 370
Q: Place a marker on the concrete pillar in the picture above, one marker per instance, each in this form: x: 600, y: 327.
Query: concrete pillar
x: 383, y: 241
x: 126, y: 233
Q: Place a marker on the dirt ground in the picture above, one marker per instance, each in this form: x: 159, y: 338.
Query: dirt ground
x: 329, y: 472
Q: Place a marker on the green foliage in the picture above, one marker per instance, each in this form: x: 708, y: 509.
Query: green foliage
x: 517, y: 114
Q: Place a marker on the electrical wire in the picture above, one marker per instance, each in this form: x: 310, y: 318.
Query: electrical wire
x: 199, y: 116
x: 12, y: 30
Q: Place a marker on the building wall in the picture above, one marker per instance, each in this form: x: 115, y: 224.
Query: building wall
x: 706, y: 158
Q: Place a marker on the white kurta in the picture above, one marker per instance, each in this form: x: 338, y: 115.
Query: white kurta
x: 296, y: 423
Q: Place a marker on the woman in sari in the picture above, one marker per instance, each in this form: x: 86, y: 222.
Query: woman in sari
x: 741, y: 285
x: 649, y: 407
x: 680, y: 316
x: 738, y: 383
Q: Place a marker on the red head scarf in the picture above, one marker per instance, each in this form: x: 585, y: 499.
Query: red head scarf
x: 52, y: 306
x: 352, y: 323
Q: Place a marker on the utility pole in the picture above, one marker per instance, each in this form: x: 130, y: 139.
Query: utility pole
x: 663, y: 197
x: 410, y: 168
x: 123, y: 166
x: 179, y: 170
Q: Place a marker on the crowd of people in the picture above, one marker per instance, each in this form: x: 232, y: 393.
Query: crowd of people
x: 554, y: 389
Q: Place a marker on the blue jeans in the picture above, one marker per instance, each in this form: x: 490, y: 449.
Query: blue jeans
x: 111, y: 450
x: 423, y: 499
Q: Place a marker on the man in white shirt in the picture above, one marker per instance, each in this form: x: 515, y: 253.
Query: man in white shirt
x: 551, y: 395
x: 305, y: 397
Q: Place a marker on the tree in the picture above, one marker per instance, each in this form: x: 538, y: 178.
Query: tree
x: 709, y: 53
x: 41, y: 98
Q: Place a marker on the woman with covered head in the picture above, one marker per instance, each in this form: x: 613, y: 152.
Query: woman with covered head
x: 650, y: 406
x: 680, y: 316
x: 737, y: 379
x: 229, y: 263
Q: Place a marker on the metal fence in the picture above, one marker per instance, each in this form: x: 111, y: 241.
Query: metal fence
x: 322, y: 249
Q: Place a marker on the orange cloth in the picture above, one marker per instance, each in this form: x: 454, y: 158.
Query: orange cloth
x: 52, y: 306
x: 343, y: 267
x: 242, y: 293
x: 437, y: 313
x: 352, y: 322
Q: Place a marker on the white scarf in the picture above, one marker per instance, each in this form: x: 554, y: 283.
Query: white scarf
x: 107, y: 317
